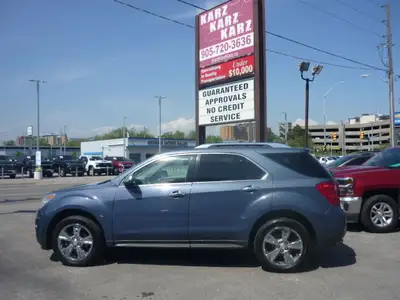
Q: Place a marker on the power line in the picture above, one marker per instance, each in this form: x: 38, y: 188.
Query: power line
x: 317, y: 62
x: 153, y: 14
x: 300, y: 43
x: 366, y: 66
x: 358, y: 11
x: 335, y: 16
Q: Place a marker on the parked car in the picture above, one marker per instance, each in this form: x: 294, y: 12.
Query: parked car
x: 29, y: 164
x: 354, y: 159
x: 280, y: 203
x: 96, y: 165
x: 68, y: 164
x: 369, y: 193
x: 120, y: 163
x: 9, y: 167
x: 326, y: 159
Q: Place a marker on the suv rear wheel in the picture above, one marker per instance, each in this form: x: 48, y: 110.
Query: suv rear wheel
x: 78, y: 241
x: 380, y: 214
x: 282, y: 245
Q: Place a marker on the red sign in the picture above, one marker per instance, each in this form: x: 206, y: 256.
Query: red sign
x: 226, y: 32
x: 231, y: 69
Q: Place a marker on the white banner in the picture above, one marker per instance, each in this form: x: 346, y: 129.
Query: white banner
x: 227, y: 103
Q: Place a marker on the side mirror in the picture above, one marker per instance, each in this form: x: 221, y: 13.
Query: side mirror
x: 131, y: 184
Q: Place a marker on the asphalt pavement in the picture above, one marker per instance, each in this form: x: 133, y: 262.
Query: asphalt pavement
x: 22, y: 189
x: 367, y: 267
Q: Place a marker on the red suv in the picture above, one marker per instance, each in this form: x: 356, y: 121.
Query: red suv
x: 120, y: 163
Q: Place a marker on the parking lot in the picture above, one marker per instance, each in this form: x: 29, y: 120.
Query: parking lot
x: 366, y: 267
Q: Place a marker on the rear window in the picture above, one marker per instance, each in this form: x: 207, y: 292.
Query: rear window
x: 299, y: 162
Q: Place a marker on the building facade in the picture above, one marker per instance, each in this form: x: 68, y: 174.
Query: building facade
x: 364, y: 133
x: 238, y: 132
x: 137, y: 149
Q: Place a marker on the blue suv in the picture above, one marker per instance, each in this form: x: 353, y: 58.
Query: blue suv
x: 279, y: 203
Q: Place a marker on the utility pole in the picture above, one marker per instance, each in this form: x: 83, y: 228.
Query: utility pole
x: 286, y: 126
x: 159, y: 121
x: 124, y: 136
x: 61, y: 135
x: 65, y: 139
x: 390, y: 75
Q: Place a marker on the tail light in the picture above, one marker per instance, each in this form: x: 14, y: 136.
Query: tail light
x: 330, y: 191
x: 346, y: 186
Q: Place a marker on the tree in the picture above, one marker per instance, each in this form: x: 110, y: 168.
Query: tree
x: 9, y: 143
x: 272, y: 137
x: 191, y: 135
x: 74, y: 154
x: 18, y: 154
x: 174, y: 135
x: 119, y: 133
x: 74, y: 143
x: 295, y: 137
x: 211, y: 139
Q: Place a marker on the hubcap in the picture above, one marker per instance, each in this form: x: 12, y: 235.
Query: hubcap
x: 381, y: 214
x: 75, y: 242
x: 283, y: 247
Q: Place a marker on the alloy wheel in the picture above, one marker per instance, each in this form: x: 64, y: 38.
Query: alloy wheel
x: 381, y: 214
x: 75, y: 242
x: 283, y: 247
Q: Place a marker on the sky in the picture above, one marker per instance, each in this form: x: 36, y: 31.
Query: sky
x: 103, y: 61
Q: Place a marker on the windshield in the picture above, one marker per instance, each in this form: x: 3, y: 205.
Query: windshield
x: 340, y: 161
x: 118, y: 158
x: 96, y: 158
x: 385, y: 158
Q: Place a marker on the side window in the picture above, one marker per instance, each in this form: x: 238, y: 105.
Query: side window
x: 173, y: 169
x: 227, y: 167
x: 358, y: 160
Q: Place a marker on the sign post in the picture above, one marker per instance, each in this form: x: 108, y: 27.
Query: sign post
x: 231, y: 67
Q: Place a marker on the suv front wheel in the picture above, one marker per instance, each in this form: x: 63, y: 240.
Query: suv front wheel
x: 78, y: 241
x: 282, y: 245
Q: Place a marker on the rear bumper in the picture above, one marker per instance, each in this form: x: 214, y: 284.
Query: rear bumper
x: 352, y: 208
x: 333, y: 228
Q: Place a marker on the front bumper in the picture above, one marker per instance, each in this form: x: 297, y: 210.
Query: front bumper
x: 109, y: 169
x: 352, y: 208
x: 73, y: 170
x: 41, y: 230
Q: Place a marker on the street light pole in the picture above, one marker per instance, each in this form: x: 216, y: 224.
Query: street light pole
x: 324, y: 107
x: 159, y: 121
x: 124, y: 135
x: 316, y: 70
x: 38, y: 82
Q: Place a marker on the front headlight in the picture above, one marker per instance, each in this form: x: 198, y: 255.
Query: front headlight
x: 47, y: 198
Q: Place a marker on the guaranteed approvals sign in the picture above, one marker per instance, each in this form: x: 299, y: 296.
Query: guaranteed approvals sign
x: 227, y: 103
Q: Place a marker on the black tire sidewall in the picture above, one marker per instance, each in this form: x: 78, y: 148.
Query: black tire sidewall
x: 98, y: 241
x: 366, y: 209
x: 287, y: 222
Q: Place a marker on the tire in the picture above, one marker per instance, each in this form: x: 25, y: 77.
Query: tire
x: 116, y: 172
x: 30, y: 174
x: 94, y: 255
x: 90, y: 171
x: 379, y: 201
x: 81, y: 174
x: 297, y: 233
x: 12, y: 176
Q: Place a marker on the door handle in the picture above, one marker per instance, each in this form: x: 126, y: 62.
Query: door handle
x: 250, y: 189
x: 176, y: 194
